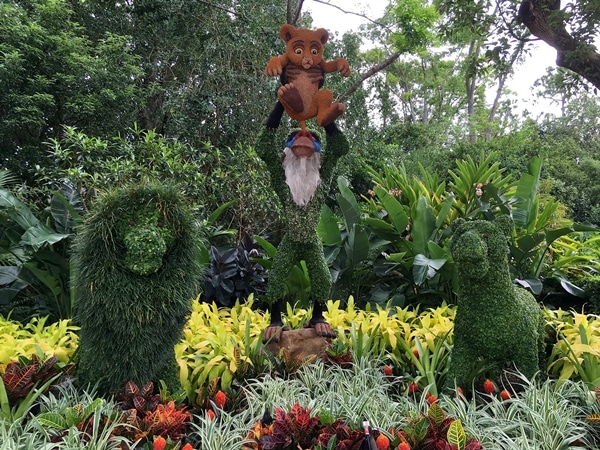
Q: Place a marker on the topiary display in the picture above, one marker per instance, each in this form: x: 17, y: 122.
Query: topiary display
x: 497, y: 323
x: 136, y: 269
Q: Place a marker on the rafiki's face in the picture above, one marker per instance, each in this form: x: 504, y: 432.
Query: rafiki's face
x: 303, y: 144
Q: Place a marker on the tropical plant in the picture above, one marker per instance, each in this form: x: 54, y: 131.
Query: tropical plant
x: 233, y: 273
x: 38, y: 266
x: 23, y: 381
x: 435, y: 429
x: 575, y: 355
x: 347, y: 246
x: 411, y: 215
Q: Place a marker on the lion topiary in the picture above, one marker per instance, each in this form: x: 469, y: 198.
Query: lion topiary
x: 497, y: 323
x: 136, y: 270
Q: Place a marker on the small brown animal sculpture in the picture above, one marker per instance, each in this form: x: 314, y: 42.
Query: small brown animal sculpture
x: 302, y: 70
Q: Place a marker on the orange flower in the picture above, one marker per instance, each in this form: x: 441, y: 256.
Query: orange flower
x: 220, y: 399
x: 388, y: 370
x: 431, y: 399
x: 403, y: 446
x: 489, y: 387
x: 504, y: 395
x: 382, y: 442
x: 187, y: 447
x: 159, y: 443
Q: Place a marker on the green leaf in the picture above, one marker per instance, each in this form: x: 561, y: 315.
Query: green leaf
x: 527, y: 188
x: 395, y: 211
x: 328, y: 229
x: 269, y: 248
x: 217, y: 212
x: 357, y: 247
x: 436, y: 414
x: 53, y: 420
x: 423, y: 225
x: 425, y: 268
x: 456, y: 435
x: 350, y: 215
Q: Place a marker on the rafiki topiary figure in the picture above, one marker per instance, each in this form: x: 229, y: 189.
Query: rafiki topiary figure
x: 136, y: 270
x: 301, y: 177
x: 497, y: 323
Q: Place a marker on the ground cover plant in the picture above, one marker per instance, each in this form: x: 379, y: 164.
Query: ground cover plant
x: 386, y: 368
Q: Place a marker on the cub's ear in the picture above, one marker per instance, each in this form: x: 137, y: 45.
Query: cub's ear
x: 506, y: 225
x: 287, y: 31
x: 323, y: 35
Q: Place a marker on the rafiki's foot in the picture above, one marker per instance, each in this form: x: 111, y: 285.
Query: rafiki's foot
x: 273, y: 333
x: 322, y: 328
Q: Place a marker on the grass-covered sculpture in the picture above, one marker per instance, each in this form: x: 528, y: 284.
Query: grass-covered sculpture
x: 497, y: 323
x: 136, y: 273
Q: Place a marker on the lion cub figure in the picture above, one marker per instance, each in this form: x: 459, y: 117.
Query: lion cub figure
x: 302, y: 70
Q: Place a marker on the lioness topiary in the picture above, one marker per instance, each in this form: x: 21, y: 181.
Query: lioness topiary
x: 136, y: 270
x: 497, y: 323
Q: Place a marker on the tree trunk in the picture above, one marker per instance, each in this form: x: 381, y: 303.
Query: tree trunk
x: 572, y: 54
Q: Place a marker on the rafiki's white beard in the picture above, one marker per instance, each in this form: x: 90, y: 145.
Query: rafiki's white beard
x: 302, y: 176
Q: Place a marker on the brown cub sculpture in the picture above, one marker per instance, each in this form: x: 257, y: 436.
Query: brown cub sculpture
x: 302, y: 70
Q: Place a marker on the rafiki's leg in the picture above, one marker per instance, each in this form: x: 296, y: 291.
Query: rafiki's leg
x: 320, y: 282
x: 282, y: 265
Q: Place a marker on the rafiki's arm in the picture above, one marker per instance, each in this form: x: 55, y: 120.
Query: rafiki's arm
x: 268, y: 151
x: 337, y: 146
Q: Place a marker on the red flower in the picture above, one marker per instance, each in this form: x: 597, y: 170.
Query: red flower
x: 210, y: 413
x: 187, y: 447
x: 431, y: 399
x: 412, y: 388
x: 220, y: 399
x: 459, y: 392
x: 382, y: 442
x: 388, y: 370
x: 403, y: 446
x: 159, y: 443
x: 504, y: 395
x: 489, y: 387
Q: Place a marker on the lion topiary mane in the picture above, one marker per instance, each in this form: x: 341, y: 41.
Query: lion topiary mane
x: 136, y: 270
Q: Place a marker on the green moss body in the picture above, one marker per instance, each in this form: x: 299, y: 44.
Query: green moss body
x: 136, y: 270
x: 300, y: 241
x: 496, y: 322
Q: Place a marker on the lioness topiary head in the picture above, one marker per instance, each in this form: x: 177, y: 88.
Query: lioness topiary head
x: 476, y: 245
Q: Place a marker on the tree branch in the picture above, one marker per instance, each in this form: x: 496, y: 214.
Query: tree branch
x: 351, y: 12
x: 369, y: 73
x: 572, y: 54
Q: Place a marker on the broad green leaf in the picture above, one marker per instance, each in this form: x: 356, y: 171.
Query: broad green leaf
x: 423, y: 225
x: 53, y: 420
x: 357, y: 247
x: 456, y: 435
x: 394, y: 209
x: 349, y: 212
x: 436, y: 413
x: 328, y: 229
